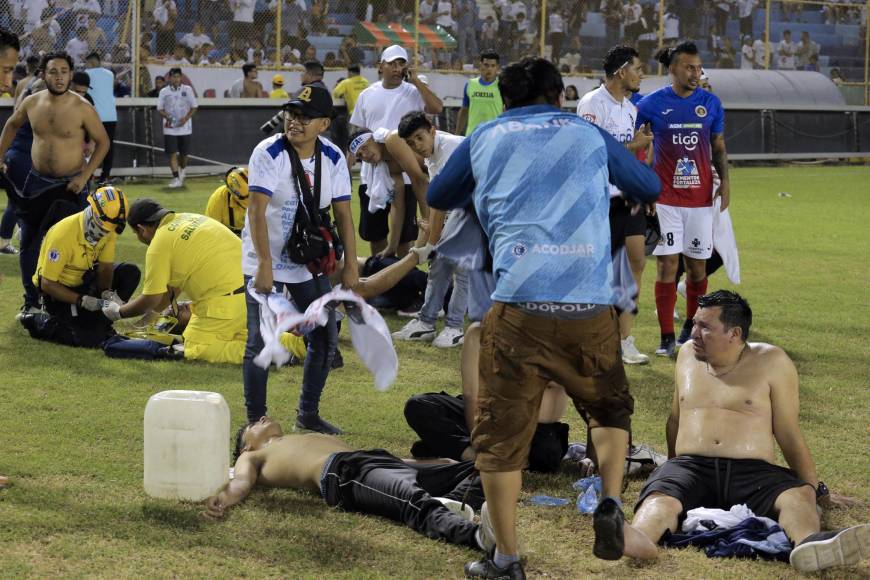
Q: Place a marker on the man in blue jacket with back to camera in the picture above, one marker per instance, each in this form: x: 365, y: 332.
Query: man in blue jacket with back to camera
x: 538, y: 180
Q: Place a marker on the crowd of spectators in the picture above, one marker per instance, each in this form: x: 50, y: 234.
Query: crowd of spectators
x: 236, y: 32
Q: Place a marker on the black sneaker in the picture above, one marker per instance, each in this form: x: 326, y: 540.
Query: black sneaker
x: 667, y: 347
x: 822, y: 550
x: 9, y: 249
x: 486, y: 568
x: 337, y: 360
x: 607, y: 521
x: 686, y: 333
x: 316, y: 424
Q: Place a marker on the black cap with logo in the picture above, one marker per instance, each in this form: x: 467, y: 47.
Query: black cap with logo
x: 311, y: 101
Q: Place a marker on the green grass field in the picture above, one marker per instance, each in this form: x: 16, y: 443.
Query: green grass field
x: 71, y: 421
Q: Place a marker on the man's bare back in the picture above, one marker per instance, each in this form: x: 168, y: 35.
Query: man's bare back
x: 252, y: 89
x: 728, y: 415
x: 296, y: 461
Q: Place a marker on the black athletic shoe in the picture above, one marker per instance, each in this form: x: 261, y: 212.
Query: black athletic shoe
x: 822, y: 550
x: 486, y: 568
x: 667, y: 347
x: 316, y: 424
x: 420, y: 449
x: 686, y: 333
x: 337, y: 360
x: 607, y: 521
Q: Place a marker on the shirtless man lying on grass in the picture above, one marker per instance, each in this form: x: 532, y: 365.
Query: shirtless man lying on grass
x: 426, y: 498
x: 732, y: 399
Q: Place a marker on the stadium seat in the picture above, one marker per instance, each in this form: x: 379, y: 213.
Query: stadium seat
x: 209, y: 94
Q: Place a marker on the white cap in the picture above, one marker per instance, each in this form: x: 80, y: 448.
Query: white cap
x: 393, y: 52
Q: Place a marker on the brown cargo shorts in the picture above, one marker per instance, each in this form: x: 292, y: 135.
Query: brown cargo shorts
x: 520, y: 354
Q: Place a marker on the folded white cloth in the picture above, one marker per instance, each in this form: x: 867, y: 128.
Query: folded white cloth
x: 721, y: 518
x: 381, y: 188
x: 368, y: 332
x: 725, y: 243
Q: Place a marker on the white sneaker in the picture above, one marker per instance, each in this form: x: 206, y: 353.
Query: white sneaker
x: 827, y: 549
x: 416, y: 330
x: 681, y: 288
x: 449, y: 337
x: 25, y: 311
x: 487, y: 532
x: 182, y: 173
x: 630, y: 354
x: 175, y: 183
x: 463, y: 510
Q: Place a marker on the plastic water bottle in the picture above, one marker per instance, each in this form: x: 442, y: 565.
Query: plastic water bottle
x: 582, y: 485
x: 546, y: 500
x: 186, y: 452
x: 587, y: 501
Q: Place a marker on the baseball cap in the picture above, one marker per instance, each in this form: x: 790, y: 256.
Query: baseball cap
x: 81, y: 78
x: 278, y: 80
x: 393, y: 52
x: 312, y: 101
x: 145, y: 210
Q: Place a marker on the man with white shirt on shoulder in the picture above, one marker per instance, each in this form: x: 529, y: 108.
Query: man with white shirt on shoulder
x: 609, y: 107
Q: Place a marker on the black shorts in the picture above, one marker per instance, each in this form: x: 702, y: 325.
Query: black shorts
x: 176, y: 144
x: 713, y: 482
x: 623, y: 224
x: 374, y: 227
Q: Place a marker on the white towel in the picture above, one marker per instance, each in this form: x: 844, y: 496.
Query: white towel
x: 721, y: 518
x: 381, y: 188
x: 369, y: 333
x: 724, y: 241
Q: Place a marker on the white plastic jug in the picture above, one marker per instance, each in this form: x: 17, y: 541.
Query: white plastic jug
x: 187, y: 453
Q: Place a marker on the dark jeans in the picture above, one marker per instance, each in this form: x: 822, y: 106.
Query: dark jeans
x: 375, y: 482
x: 322, y: 342
x: 67, y: 324
x: 8, y: 221
x: 439, y: 421
x: 109, y: 160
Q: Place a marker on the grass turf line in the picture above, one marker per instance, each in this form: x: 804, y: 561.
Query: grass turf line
x: 71, y: 429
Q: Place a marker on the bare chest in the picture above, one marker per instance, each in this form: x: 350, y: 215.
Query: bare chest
x: 56, y: 122
x: 740, y: 392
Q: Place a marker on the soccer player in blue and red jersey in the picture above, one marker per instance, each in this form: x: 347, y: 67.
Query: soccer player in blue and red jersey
x: 688, y: 125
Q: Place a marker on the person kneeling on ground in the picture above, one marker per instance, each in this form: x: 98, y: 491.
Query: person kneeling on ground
x: 229, y: 202
x: 732, y: 399
x: 195, y: 255
x: 372, y: 482
x: 76, y: 275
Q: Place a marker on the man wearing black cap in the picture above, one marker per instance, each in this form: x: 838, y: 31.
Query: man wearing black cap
x: 80, y: 84
x: 282, y: 169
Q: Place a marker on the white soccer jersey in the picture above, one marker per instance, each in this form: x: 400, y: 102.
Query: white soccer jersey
x: 177, y: 102
x: 270, y: 172
x: 617, y: 118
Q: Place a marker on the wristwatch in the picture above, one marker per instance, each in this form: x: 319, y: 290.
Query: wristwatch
x: 821, y: 490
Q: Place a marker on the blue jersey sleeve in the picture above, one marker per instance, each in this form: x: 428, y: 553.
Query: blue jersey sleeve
x: 642, y: 117
x: 633, y: 178
x: 718, y: 125
x: 453, y: 187
x: 465, y: 101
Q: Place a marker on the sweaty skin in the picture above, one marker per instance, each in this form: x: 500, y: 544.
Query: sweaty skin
x: 60, y: 123
x: 727, y: 416
x: 296, y: 461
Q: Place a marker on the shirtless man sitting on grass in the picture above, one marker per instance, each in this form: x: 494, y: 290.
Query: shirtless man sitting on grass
x: 732, y: 399
x: 373, y: 482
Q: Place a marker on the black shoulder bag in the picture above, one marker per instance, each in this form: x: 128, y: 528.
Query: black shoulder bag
x: 314, y: 240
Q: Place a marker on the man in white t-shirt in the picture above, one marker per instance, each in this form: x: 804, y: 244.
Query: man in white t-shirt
x: 381, y: 106
x: 610, y: 107
x: 275, y: 188
x: 744, y: 14
x: 444, y: 19
x: 747, y: 54
x: 77, y: 46
x: 759, y: 47
x: 196, y: 38
x: 176, y: 103
x: 785, y: 52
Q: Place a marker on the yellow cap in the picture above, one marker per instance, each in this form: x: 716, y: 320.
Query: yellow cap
x: 278, y: 80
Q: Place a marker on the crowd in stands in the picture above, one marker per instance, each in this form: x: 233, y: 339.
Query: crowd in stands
x: 730, y: 33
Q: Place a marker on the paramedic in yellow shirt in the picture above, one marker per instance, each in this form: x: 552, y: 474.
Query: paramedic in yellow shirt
x: 194, y: 255
x: 76, y: 273
x: 229, y: 202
